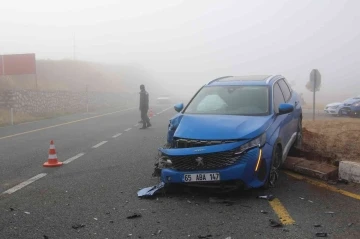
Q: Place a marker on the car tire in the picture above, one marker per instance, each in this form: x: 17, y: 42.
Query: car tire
x: 276, y: 162
x: 299, y: 135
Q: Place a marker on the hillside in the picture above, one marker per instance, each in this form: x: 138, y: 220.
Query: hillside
x: 76, y: 75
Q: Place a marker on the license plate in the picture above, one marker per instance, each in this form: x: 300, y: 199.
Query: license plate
x: 201, y: 177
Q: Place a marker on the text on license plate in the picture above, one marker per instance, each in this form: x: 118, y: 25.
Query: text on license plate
x: 201, y: 177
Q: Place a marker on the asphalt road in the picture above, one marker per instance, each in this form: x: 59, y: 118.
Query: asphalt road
x: 98, y: 189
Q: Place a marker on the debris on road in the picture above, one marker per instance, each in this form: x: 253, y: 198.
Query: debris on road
x: 219, y: 200
x: 350, y: 224
x: 150, y: 191
x: 274, y: 223
x: 207, y: 236
x: 157, y: 233
x: 329, y: 212
x: 135, y: 215
x: 310, y: 201
x: 27, y: 213
x: 45, y: 237
x: 95, y: 219
x: 321, y: 234
x: 267, y: 197
x: 317, y: 225
x: 301, y: 198
x: 331, y: 182
x: 344, y: 181
x: 264, y: 212
x: 78, y: 226
x: 11, y: 209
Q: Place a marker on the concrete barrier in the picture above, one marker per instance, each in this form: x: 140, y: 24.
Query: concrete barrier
x: 349, y: 171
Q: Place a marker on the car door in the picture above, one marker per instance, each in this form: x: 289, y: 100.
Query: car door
x: 282, y: 121
x: 290, y: 98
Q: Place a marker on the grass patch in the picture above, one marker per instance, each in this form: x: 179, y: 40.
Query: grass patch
x: 332, y: 140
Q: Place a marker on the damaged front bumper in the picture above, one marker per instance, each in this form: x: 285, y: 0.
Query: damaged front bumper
x: 214, y: 166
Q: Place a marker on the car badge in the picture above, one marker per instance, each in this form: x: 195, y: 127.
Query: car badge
x: 199, y: 160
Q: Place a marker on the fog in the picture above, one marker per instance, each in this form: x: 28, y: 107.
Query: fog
x: 184, y: 44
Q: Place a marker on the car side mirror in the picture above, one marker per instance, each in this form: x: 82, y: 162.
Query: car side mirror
x: 179, y: 107
x: 285, y: 108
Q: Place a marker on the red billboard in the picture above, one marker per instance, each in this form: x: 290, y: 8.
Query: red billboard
x: 17, y: 64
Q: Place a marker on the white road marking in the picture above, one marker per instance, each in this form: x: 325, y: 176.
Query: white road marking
x: 24, y: 184
x: 117, y: 135
x: 73, y: 158
x: 128, y: 129
x: 99, y: 144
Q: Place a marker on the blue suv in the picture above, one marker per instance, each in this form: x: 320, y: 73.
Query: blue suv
x: 235, y: 132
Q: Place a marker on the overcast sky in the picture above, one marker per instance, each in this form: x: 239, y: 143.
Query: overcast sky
x: 186, y: 43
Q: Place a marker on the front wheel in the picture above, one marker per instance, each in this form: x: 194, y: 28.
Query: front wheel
x: 276, y: 162
x: 299, y: 135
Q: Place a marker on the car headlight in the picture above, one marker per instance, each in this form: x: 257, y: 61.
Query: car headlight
x: 257, y: 142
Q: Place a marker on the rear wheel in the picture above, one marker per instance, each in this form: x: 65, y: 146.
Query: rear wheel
x: 276, y: 162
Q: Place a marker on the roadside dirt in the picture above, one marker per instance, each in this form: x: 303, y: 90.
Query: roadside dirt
x: 331, y: 140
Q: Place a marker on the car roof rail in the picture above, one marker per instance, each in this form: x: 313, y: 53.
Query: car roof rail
x: 273, y: 77
x: 223, y: 77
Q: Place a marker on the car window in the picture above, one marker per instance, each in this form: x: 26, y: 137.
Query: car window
x: 285, y: 89
x: 210, y: 103
x: 278, y: 97
x: 230, y: 100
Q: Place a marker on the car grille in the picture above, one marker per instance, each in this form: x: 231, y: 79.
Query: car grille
x: 210, y: 161
x: 190, y: 143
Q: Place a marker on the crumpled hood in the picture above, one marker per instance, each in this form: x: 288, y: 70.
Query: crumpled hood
x: 220, y: 127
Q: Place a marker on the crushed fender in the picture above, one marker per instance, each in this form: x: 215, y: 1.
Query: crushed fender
x: 151, y: 191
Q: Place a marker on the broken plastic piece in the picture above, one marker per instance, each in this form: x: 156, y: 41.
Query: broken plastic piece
x: 268, y: 197
x: 77, y: 226
x: 150, y: 191
x: 274, y: 223
x: 135, y: 215
x: 264, y: 212
x: 207, y: 236
x: 321, y: 234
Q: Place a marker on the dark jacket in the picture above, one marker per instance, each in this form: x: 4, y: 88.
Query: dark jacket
x: 144, y: 100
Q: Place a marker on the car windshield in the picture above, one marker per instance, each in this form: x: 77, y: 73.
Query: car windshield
x: 231, y: 100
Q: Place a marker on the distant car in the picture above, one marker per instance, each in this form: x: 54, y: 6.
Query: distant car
x: 235, y: 132
x: 341, y: 108
x: 333, y: 108
x: 355, y: 109
x: 163, y: 100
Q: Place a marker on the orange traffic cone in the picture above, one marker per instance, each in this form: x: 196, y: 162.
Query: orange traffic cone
x: 151, y: 114
x: 52, y: 160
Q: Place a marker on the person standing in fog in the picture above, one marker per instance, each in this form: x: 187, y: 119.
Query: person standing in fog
x: 144, y: 107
